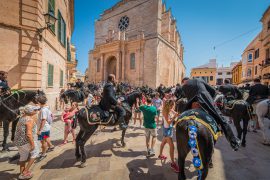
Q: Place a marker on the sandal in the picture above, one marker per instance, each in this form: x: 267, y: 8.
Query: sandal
x: 65, y: 142
x: 162, y: 157
x: 27, y: 175
x: 50, y: 149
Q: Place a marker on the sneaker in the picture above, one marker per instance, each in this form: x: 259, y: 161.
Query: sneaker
x: 151, y: 153
x: 162, y: 157
x: 27, y: 175
x: 148, y: 153
x: 41, y: 157
x: 175, y: 167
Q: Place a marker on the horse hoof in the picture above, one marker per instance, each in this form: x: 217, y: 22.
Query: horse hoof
x: 211, y: 165
x: 123, y: 145
x: 83, y: 165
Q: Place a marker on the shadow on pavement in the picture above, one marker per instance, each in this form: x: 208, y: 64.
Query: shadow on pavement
x: 6, y: 175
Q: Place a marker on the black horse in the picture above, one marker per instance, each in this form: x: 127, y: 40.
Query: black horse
x: 88, y: 124
x: 9, y: 110
x: 205, y: 141
x: 74, y: 95
x: 239, y: 111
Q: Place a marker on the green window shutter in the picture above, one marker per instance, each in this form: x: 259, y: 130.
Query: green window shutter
x: 59, y: 26
x: 68, y: 51
x: 50, y: 75
x: 64, y: 33
x: 61, y: 78
x: 51, y: 9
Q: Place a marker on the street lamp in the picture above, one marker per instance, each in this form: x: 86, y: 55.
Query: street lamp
x: 50, y: 20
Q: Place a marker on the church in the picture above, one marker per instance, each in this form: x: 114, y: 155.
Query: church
x: 138, y: 41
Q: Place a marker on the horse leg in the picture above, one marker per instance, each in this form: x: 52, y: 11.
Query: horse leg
x: 6, y: 133
x: 181, y: 163
x: 245, y: 126
x: 13, y: 130
x: 77, y: 148
x: 86, y: 135
x: 123, y: 138
x: 237, y: 125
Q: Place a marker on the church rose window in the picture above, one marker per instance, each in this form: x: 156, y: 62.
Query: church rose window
x: 123, y: 23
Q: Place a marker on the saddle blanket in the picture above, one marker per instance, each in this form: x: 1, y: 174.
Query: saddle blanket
x: 202, y: 118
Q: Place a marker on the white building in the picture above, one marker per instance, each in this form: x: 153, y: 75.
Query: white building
x: 224, y: 73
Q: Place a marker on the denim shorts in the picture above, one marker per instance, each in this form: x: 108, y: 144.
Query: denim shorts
x: 44, y: 135
x: 167, y: 132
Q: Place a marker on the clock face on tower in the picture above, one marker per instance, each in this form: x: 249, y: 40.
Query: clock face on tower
x: 123, y: 23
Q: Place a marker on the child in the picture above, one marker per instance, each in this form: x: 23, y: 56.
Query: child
x: 149, y: 114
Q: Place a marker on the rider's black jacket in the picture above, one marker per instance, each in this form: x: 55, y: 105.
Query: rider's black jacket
x: 108, y: 100
x: 258, y: 91
x: 230, y: 90
x: 179, y: 92
x: 79, y: 85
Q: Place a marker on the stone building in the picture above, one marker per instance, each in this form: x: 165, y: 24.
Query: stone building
x: 207, y: 72
x: 36, y: 59
x: 138, y: 41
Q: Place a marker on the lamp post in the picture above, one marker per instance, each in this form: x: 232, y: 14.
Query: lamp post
x: 50, y: 20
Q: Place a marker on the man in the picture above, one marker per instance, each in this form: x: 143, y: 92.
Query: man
x: 199, y: 93
x: 230, y: 92
x: 79, y: 84
x: 4, y: 88
x: 149, y: 114
x: 158, y: 103
x: 109, y: 101
x: 257, y: 92
x: 160, y: 90
x: 178, y: 91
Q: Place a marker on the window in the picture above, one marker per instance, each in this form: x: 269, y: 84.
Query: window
x: 51, y: 9
x: 267, y: 54
x: 211, y: 78
x: 220, y: 73
x: 61, y: 29
x: 98, y: 65
x: 228, y: 73
x: 256, y: 70
x: 257, y: 54
x: 250, y: 57
x: 61, y: 78
x: 50, y: 75
x: 68, y: 51
x: 248, y: 72
x: 132, y: 61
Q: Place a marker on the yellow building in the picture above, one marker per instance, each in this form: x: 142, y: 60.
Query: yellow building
x: 237, y: 74
x: 207, y: 72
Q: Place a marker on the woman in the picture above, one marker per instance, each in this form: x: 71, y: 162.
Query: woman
x: 137, y: 112
x: 168, y: 117
x: 26, y: 140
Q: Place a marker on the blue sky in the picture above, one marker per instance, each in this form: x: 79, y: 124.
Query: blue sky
x: 203, y: 24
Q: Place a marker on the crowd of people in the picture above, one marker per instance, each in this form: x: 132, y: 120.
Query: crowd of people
x: 33, y: 130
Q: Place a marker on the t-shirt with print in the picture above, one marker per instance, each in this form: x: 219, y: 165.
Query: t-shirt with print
x: 149, y: 114
x: 44, y: 113
x: 157, y: 102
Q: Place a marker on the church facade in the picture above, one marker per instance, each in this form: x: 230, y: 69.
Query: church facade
x: 138, y: 41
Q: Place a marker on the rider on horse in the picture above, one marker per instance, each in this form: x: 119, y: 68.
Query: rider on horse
x: 229, y: 91
x: 200, y: 94
x: 4, y: 88
x: 109, y: 101
x: 257, y: 93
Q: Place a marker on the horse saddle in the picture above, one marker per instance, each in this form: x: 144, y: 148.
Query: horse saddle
x: 199, y: 116
x: 99, y: 116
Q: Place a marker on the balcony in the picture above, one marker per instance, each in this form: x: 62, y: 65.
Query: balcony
x: 266, y: 63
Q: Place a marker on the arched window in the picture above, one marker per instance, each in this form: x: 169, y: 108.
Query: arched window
x: 248, y: 72
x: 132, y: 61
x: 98, y: 65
